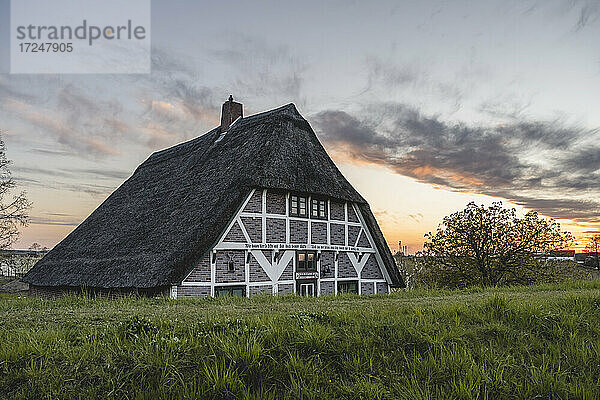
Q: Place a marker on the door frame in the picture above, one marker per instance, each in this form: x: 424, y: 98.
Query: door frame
x: 301, y: 282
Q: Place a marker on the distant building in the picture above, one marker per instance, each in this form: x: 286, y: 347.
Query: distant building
x: 588, y: 259
x: 15, y: 263
x: 6, y: 269
x: 562, y: 255
x: 253, y: 206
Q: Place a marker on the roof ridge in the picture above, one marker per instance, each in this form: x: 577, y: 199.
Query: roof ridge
x: 165, y: 154
x: 285, y: 107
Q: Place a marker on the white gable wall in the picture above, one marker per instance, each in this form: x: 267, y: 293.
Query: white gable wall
x: 262, y: 240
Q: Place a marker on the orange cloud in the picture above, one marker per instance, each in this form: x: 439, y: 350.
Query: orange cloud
x: 59, y: 128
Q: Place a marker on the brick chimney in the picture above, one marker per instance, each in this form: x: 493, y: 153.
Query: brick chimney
x: 231, y: 111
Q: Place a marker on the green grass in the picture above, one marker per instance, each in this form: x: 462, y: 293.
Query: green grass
x: 537, y: 342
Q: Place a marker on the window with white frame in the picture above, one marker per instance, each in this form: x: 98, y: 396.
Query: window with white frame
x: 306, y: 261
x: 318, y: 208
x: 298, y: 206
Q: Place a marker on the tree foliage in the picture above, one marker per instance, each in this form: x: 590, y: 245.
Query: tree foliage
x: 492, y: 246
x: 13, y: 208
x: 593, y: 247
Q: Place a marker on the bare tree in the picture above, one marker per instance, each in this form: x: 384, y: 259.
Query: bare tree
x: 491, y: 246
x: 593, y: 247
x: 13, y: 209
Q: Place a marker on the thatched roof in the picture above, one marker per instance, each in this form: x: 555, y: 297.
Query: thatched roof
x: 152, y: 230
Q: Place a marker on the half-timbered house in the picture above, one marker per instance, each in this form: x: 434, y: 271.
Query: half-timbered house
x: 253, y: 206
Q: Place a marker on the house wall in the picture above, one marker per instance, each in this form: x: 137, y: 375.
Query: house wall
x: 262, y: 241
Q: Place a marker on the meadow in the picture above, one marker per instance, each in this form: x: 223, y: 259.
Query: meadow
x: 537, y: 342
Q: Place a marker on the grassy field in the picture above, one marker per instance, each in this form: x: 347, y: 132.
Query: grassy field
x: 528, y: 342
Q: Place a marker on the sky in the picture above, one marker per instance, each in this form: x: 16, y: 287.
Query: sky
x: 424, y: 105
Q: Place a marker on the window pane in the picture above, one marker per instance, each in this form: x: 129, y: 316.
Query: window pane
x: 348, y: 287
x: 301, y: 261
x: 230, y: 291
x: 311, y: 264
x: 293, y: 205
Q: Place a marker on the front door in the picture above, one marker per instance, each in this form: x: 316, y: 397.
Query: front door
x: 306, y: 288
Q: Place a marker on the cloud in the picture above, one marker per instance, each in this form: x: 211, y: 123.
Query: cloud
x: 389, y: 77
x: 62, y: 130
x: 93, y: 190
x: 93, y: 117
x: 73, y: 172
x: 505, y: 107
x: 588, y: 12
x: 175, y: 107
x: 105, y: 180
x: 418, y: 217
x: 386, y: 216
x: 577, y: 210
x: 390, y: 74
x: 53, y: 221
x: 532, y: 163
x: 262, y: 69
x: 158, y: 135
x: 52, y: 152
x: 579, y: 13
x: 586, y: 160
x: 55, y: 218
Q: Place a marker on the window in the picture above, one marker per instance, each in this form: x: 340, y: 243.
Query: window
x: 222, y: 291
x: 298, y: 206
x: 307, y: 261
x: 348, y: 287
x: 318, y: 209
x: 325, y: 271
x: 230, y: 264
